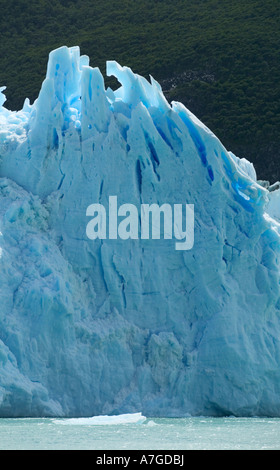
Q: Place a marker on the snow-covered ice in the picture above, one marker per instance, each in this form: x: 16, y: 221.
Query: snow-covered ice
x: 109, y: 327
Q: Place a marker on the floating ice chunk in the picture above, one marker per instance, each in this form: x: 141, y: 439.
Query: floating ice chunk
x: 151, y: 424
x: 134, y: 418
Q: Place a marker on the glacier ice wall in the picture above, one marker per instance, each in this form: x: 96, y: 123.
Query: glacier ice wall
x: 112, y: 326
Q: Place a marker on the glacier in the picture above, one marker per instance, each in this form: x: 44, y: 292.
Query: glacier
x: 108, y: 327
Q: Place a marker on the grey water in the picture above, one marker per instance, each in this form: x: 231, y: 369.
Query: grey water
x: 153, y: 434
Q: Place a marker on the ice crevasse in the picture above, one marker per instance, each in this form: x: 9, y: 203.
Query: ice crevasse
x: 108, y: 326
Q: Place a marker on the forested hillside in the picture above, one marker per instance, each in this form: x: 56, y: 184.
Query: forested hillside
x: 220, y: 58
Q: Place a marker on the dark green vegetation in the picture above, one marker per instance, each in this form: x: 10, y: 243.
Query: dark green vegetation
x: 219, y: 57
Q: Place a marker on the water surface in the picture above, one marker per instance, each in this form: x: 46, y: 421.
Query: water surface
x: 153, y: 434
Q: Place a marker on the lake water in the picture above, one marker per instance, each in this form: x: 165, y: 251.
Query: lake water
x: 152, y: 434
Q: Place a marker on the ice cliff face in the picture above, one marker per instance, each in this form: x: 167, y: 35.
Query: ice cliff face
x: 90, y: 327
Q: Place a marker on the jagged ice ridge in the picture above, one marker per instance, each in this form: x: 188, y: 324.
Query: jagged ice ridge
x: 111, y: 326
